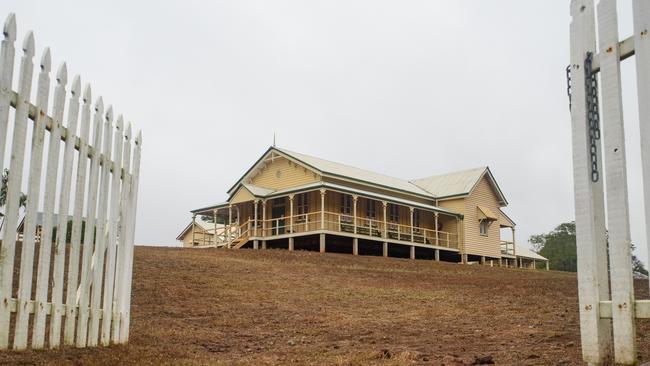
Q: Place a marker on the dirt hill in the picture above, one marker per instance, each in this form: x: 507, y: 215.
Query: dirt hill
x: 204, y: 306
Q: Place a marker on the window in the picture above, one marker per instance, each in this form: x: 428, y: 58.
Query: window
x: 416, y: 218
x: 394, y: 213
x: 346, y: 204
x: 302, y: 203
x: 483, y: 227
x: 371, y: 209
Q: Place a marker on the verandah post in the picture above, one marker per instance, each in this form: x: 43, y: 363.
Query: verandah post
x: 193, y: 225
x: 229, y: 227
x: 255, y: 206
x: 411, y: 212
x: 264, y: 223
x: 384, y: 205
x: 354, y: 212
x: 435, y: 224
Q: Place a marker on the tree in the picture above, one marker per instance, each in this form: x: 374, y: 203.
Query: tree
x: 68, y: 235
x: 637, y: 265
x: 559, y: 246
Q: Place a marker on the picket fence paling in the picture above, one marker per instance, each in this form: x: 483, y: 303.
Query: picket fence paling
x: 97, y: 281
x: 109, y: 281
x: 13, y: 186
x: 124, y: 214
x: 62, y: 225
x: 33, y: 194
x: 75, y: 246
x: 98, y: 258
x: 87, y: 236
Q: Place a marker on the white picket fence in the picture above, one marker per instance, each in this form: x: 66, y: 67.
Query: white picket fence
x: 94, y: 269
x: 607, y: 316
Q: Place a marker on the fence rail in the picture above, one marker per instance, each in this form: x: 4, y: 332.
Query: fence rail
x: 87, y: 301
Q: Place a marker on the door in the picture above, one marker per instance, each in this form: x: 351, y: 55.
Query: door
x: 278, y: 214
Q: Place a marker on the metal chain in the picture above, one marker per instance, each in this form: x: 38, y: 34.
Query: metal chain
x: 593, y: 116
x: 568, y: 84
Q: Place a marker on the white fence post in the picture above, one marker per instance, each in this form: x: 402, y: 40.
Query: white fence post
x: 642, y: 54
x: 589, y: 200
x: 89, y: 281
x: 620, y: 257
x: 594, y: 272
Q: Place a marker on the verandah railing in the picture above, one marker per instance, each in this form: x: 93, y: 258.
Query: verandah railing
x: 343, y: 223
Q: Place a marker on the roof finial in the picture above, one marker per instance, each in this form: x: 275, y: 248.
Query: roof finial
x: 274, y: 139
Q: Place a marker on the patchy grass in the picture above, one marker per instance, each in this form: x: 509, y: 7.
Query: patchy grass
x: 199, y: 307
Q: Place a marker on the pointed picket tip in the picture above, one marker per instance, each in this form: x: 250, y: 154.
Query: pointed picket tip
x: 87, y: 97
x: 62, y: 74
x: 120, y: 123
x: 76, y: 86
x: 138, y: 139
x: 109, y: 113
x: 46, y: 60
x: 9, y: 29
x: 28, y: 44
x: 127, y: 134
x: 99, y: 104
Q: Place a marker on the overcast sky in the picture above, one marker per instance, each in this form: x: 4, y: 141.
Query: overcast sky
x: 405, y: 88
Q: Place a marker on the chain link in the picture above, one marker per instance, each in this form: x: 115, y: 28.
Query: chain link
x: 593, y: 116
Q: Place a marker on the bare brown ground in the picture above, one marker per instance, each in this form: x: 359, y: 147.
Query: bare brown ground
x: 301, y: 308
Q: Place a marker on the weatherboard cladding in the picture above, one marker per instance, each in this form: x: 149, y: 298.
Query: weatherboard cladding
x: 477, y: 244
x: 282, y: 173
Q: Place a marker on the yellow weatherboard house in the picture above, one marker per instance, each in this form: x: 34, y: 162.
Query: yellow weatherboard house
x: 295, y: 201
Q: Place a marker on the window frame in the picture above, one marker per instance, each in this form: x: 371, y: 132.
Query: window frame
x: 483, y: 227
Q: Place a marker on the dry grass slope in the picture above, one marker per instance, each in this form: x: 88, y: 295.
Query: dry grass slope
x: 276, y: 307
